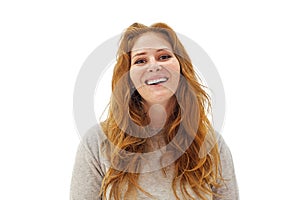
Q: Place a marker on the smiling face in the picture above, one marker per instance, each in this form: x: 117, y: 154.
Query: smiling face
x: 155, y: 70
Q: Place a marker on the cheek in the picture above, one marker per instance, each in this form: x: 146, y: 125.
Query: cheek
x: 135, y: 76
x: 174, y: 66
x: 132, y: 75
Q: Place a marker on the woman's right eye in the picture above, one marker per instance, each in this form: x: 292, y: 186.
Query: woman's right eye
x: 140, y: 61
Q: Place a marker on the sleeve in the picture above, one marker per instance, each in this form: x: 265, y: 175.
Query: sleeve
x: 229, y: 189
x: 87, y: 171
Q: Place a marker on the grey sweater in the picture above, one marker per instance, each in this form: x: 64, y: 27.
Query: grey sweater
x: 90, y: 167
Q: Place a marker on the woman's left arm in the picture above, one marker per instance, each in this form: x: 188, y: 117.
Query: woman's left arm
x: 229, y: 189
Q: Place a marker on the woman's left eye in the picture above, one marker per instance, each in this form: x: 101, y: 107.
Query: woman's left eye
x: 164, y: 57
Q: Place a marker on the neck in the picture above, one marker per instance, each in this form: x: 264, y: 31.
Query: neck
x: 158, y: 116
x: 159, y: 113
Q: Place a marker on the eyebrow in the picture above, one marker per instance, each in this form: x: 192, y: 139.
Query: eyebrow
x: 143, y: 53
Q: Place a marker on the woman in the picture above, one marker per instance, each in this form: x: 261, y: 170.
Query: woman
x: 157, y: 141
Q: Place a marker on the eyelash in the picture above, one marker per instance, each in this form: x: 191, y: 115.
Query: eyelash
x: 167, y: 56
x: 140, y: 61
x: 143, y: 60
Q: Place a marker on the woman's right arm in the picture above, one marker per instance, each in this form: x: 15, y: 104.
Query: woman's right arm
x: 87, y: 172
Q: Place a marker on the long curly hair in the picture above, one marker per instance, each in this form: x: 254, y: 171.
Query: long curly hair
x: 197, y: 164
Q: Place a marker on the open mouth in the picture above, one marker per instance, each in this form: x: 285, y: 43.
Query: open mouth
x: 156, y: 81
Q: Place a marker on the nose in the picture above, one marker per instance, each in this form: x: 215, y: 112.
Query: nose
x: 154, y: 68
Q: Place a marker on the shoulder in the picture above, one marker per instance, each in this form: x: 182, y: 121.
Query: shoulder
x: 222, y: 146
x: 93, y: 142
x: 225, y: 156
x: 89, y: 168
x: 94, y: 136
x: 230, y: 189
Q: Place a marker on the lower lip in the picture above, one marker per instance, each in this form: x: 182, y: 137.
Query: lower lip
x: 158, y: 85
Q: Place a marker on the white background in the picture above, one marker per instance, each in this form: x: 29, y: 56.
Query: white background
x: 254, y: 44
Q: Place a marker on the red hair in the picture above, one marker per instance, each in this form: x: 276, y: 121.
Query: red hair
x: 199, y: 164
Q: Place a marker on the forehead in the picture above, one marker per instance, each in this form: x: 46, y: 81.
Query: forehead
x: 151, y: 40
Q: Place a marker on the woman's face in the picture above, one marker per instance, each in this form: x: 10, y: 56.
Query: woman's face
x: 154, y: 71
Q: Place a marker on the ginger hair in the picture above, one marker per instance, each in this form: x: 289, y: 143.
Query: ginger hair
x: 199, y: 165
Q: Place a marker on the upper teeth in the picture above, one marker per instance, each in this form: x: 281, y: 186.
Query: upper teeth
x: 155, y: 81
